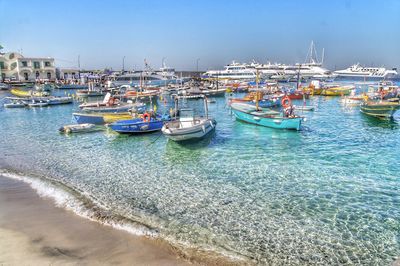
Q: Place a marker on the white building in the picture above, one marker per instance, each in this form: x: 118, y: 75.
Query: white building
x: 68, y: 74
x: 16, y: 67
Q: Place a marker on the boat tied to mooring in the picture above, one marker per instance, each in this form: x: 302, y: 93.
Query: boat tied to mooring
x: 188, y: 126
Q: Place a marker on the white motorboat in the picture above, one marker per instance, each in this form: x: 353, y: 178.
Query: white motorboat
x: 188, y: 126
x: 80, y: 128
x: 368, y: 73
x: 38, y: 103
x: 15, y: 104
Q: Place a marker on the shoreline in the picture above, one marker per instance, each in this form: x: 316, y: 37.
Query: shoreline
x: 51, y: 203
x: 34, y: 231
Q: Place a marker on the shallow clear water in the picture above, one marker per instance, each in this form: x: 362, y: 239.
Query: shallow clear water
x: 328, y: 194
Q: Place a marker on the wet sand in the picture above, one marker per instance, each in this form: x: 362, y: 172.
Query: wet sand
x: 33, y: 231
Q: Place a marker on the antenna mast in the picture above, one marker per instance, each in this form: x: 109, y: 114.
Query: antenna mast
x: 323, y: 56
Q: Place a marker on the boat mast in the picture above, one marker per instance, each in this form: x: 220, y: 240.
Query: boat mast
x: 205, y: 106
x: 298, y: 77
x: 323, y: 56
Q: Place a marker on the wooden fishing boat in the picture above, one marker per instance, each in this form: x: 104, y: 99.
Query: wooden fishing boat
x: 304, y: 108
x: 100, y: 118
x: 116, y: 109
x: 38, y: 103
x: 337, y: 91
x: 298, y: 95
x: 59, y: 100
x: 267, y: 117
x: 352, y: 100
x: 81, y: 128
x: 15, y: 104
x: 215, y: 92
x: 382, y: 110
x: 311, y: 90
x: 148, y: 123
x: 30, y: 93
x: 89, y: 93
x: 188, y: 126
x: 265, y: 102
x: 107, y: 101
x: 113, y: 117
x: 138, y: 94
x: 71, y: 87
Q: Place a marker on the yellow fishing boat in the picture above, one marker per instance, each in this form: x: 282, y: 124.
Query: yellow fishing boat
x: 111, y: 118
x: 311, y: 90
x: 22, y: 93
x: 337, y: 90
x: 314, y: 88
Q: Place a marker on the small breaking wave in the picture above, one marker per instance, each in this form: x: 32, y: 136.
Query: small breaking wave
x: 82, y: 205
x: 87, y: 207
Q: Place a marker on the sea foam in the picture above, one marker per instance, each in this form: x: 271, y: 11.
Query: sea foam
x: 72, y: 200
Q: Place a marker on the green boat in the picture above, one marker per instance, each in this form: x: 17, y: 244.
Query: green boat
x: 265, y: 117
x: 382, y: 110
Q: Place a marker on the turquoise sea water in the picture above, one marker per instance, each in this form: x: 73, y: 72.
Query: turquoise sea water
x: 329, y: 194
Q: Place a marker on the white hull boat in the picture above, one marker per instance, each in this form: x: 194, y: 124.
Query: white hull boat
x: 187, y: 126
x: 182, y: 130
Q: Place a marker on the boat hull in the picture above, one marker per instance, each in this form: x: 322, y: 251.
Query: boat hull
x: 136, y: 126
x: 381, y: 111
x: 14, y: 105
x: 59, y: 100
x: 80, y: 128
x: 272, y: 122
x: 88, y: 118
x: 22, y: 93
x: 71, y: 87
x: 186, y: 134
x: 117, y: 109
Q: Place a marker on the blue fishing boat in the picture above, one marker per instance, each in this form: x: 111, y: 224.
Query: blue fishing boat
x: 82, y: 118
x: 71, y: 87
x: 146, y: 124
x: 265, y: 117
x: 123, y: 107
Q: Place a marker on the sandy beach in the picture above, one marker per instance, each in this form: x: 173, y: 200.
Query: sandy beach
x: 35, y: 232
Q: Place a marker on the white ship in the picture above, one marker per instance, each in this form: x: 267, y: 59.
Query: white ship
x: 150, y: 77
x: 358, y: 71
x: 310, y: 69
x: 233, y: 71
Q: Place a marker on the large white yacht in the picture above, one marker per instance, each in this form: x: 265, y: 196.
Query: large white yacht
x: 233, y: 71
x: 358, y: 71
x: 162, y: 77
x: 310, y: 69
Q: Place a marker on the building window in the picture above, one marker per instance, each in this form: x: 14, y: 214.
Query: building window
x: 24, y: 63
x: 2, y: 65
x: 36, y: 65
x: 47, y: 64
x: 48, y: 75
x: 37, y: 74
x: 26, y: 76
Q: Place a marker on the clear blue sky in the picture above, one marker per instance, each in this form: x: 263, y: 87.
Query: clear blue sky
x: 102, y: 32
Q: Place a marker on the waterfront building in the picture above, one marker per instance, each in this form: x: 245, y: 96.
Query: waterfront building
x: 68, y: 74
x: 15, y: 67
